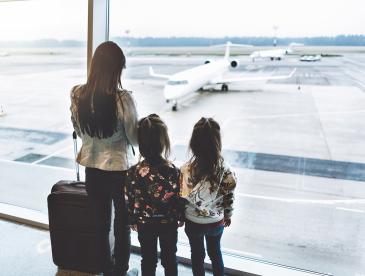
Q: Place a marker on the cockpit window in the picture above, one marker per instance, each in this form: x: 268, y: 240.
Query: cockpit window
x: 177, y: 82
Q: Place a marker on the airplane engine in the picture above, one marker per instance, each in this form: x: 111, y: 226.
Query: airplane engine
x: 207, y: 61
x: 235, y: 63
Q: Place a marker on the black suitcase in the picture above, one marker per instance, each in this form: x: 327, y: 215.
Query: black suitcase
x: 73, y: 238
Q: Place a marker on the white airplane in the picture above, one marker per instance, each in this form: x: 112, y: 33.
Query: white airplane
x: 311, y: 58
x: 189, y: 81
x: 2, y: 113
x: 273, y: 54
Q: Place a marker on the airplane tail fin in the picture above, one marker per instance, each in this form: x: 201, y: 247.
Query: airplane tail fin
x: 292, y: 45
x: 228, y: 46
x: 153, y: 74
x: 228, y: 50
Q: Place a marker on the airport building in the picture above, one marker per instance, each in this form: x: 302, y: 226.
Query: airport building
x: 293, y: 132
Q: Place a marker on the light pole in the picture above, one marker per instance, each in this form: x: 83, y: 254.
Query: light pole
x: 275, y: 27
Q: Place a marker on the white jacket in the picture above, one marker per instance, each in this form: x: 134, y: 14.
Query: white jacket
x: 112, y: 153
x: 208, y: 202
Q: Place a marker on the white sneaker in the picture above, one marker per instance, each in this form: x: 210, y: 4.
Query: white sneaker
x: 133, y: 272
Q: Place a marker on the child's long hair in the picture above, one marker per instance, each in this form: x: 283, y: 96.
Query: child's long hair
x: 153, y: 139
x: 206, y: 146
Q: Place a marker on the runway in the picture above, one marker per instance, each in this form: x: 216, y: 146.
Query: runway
x: 297, y: 147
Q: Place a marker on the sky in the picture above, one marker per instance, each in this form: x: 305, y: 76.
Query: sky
x: 67, y: 19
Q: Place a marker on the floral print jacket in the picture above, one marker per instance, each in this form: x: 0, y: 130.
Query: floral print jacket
x: 152, y: 194
x: 208, y: 202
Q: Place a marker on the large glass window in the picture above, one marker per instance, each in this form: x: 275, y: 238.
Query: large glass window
x: 42, y: 56
x: 296, y: 142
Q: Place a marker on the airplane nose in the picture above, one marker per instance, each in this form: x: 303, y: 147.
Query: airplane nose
x: 172, y: 92
x: 168, y: 93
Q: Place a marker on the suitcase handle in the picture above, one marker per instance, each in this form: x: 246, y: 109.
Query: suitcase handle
x: 74, y: 137
x: 78, y: 184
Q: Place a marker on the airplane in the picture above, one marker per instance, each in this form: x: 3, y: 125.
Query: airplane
x: 273, y: 54
x: 2, y: 112
x: 211, y: 72
x: 311, y: 58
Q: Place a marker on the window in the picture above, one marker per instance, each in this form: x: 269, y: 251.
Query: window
x: 42, y: 56
x: 296, y: 144
x: 177, y: 82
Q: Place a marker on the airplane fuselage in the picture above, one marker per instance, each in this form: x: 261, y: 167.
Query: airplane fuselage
x: 191, y: 80
x: 271, y: 54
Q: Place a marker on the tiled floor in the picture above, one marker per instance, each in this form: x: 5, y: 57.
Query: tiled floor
x: 26, y: 251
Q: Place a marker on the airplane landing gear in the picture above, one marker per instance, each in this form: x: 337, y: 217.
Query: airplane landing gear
x: 224, y: 87
x: 174, y: 107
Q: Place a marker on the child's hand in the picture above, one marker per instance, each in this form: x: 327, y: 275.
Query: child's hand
x: 180, y: 223
x: 134, y: 227
x: 227, y: 222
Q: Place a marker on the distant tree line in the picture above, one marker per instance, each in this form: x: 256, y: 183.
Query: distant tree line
x: 46, y: 43
x: 340, y: 40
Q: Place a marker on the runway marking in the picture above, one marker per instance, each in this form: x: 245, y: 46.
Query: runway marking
x: 240, y: 252
x: 359, y: 83
x: 350, y: 210
x: 43, y: 247
x: 51, y: 155
x: 354, y: 62
x: 291, y: 115
x: 306, y: 201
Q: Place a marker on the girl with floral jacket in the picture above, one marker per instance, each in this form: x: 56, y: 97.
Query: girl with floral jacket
x: 153, y: 200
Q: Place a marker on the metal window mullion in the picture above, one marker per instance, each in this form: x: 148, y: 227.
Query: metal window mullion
x: 98, y: 25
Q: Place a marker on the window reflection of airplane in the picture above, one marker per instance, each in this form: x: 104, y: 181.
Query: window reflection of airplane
x: 273, y: 54
x: 311, y: 58
x: 189, y: 81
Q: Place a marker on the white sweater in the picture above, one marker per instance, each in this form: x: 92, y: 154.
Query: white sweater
x: 208, y: 202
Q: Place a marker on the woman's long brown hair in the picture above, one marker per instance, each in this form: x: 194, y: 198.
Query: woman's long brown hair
x: 97, y: 106
x: 153, y: 139
x: 206, y: 146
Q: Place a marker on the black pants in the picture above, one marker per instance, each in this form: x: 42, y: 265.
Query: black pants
x: 167, y: 236
x: 103, y: 188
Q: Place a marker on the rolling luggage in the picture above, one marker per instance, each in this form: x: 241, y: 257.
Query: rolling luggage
x: 71, y: 227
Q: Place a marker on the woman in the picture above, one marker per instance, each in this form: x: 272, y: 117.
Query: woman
x: 105, y: 117
x: 208, y: 185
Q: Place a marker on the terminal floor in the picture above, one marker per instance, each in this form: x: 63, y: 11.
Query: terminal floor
x: 26, y: 251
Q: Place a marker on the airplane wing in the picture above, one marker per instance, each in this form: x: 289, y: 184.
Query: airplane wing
x: 258, y: 78
x: 162, y: 76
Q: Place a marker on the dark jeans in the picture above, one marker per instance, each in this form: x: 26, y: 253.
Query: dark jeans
x: 196, y: 235
x: 103, y: 188
x: 148, y: 234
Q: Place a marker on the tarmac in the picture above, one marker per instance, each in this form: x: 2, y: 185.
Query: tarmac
x: 297, y: 147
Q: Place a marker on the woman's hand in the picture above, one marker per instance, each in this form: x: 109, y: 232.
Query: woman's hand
x: 227, y: 222
x: 134, y: 227
x: 180, y: 223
